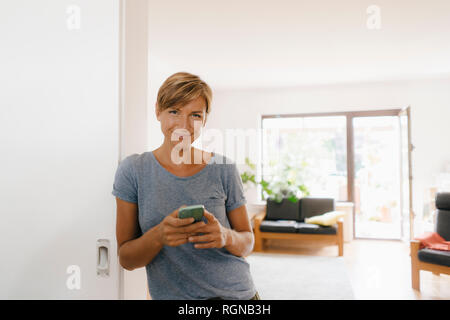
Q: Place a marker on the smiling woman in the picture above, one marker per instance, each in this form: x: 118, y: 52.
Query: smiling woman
x: 181, y: 126
x: 182, y: 105
x: 184, y: 259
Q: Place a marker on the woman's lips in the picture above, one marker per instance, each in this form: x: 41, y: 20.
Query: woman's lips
x: 181, y: 137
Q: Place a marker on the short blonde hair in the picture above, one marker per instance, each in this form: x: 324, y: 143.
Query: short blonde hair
x: 181, y: 88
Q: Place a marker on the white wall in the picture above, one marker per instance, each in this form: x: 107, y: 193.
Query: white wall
x: 430, y: 113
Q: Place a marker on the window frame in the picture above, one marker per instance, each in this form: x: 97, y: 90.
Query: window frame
x: 350, y: 140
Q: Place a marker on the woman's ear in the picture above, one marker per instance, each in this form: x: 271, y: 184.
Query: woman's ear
x: 157, y: 112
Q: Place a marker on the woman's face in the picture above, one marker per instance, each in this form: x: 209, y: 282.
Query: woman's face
x: 183, y: 124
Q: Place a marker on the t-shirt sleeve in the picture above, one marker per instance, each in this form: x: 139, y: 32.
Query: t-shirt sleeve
x: 235, y: 190
x: 125, y: 182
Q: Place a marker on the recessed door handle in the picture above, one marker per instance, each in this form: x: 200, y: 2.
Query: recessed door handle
x: 103, y: 257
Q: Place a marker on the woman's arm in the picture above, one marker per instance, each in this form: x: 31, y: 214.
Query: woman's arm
x: 240, y: 239
x: 137, y: 251
x: 134, y: 251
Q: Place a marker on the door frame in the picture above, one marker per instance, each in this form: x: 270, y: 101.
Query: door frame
x: 133, y: 111
x: 407, y: 112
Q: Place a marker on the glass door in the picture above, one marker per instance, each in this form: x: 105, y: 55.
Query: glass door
x: 377, y: 177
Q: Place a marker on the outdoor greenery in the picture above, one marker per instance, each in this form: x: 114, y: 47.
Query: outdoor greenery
x: 284, y: 185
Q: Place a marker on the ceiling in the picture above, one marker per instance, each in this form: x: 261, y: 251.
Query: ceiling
x: 259, y: 44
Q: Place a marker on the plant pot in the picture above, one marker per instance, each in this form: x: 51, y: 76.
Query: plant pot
x: 285, y: 210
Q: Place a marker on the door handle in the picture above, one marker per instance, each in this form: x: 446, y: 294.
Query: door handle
x: 103, y: 257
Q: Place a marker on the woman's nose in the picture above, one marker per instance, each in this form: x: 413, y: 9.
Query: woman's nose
x: 187, y: 123
x: 184, y: 123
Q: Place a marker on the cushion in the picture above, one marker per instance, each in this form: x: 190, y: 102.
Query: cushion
x: 443, y: 215
x: 282, y: 226
x: 307, y: 228
x: 311, y: 206
x: 292, y: 226
x: 443, y: 223
x: 435, y: 256
x: 326, y: 219
x: 443, y: 200
x: 285, y: 210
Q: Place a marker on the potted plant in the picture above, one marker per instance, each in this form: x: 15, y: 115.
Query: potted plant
x: 282, y: 193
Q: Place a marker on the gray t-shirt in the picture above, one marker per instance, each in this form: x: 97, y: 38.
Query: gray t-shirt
x: 184, y: 272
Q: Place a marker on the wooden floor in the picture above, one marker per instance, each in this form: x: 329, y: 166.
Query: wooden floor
x: 378, y: 269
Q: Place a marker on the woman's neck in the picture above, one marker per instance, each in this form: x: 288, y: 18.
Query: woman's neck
x: 177, y: 157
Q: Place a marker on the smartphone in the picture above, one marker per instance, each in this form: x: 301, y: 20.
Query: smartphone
x: 195, y: 211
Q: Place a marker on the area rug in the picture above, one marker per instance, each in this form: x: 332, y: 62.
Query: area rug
x: 299, y: 277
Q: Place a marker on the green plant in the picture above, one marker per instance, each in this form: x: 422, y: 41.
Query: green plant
x: 249, y: 176
x: 283, y: 186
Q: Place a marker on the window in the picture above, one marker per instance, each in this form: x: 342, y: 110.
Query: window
x: 313, y: 150
x: 362, y: 157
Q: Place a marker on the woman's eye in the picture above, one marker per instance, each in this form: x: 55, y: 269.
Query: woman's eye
x: 173, y: 111
x: 197, y: 115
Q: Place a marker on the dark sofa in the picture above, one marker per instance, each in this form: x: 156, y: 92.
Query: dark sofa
x: 287, y: 221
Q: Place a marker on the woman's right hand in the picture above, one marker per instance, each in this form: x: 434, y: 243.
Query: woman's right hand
x: 174, y: 231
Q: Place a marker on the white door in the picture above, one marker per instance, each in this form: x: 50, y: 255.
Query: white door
x: 59, y: 144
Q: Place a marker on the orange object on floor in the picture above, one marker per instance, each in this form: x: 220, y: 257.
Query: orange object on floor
x: 432, y: 240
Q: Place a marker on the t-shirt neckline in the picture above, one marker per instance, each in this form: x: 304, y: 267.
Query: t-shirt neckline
x: 167, y: 172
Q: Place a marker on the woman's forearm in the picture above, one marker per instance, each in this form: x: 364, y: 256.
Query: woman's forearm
x: 239, y: 243
x: 139, y: 252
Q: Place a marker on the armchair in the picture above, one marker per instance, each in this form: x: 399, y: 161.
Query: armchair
x: 436, y: 261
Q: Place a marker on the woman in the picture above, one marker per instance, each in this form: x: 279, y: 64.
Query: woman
x: 184, y: 260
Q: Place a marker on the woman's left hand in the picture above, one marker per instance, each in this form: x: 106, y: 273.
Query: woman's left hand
x: 214, y: 234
